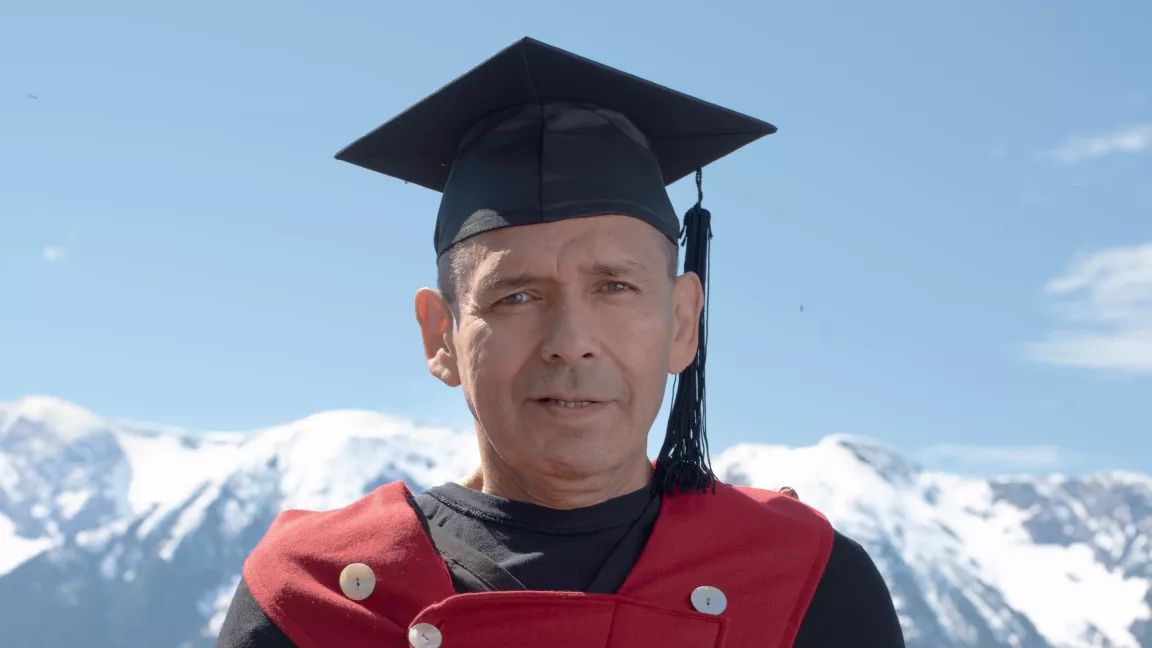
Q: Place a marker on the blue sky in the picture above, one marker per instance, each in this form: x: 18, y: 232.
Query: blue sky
x: 960, y: 196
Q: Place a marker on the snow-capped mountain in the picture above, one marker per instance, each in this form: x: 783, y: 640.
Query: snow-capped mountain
x: 128, y: 535
x: 65, y: 471
x: 1027, y: 562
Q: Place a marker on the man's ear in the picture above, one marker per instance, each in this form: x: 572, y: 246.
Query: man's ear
x: 687, y: 304
x: 436, y: 328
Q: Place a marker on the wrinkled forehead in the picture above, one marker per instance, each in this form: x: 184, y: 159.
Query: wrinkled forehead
x: 571, y: 246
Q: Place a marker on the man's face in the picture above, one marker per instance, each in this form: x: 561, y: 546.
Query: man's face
x: 565, y: 337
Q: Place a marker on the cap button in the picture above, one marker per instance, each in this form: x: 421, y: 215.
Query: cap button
x: 425, y: 635
x: 357, y: 581
x: 709, y: 600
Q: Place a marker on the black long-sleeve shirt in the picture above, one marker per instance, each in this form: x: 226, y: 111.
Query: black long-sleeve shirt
x: 490, y: 543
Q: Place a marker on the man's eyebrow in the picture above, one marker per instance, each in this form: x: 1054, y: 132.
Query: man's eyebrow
x: 495, y: 282
x: 616, y: 269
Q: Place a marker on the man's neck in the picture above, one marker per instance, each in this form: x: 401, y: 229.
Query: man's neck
x: 561, y: 494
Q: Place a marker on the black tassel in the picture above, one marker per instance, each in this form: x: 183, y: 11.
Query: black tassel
x: 683, y: 461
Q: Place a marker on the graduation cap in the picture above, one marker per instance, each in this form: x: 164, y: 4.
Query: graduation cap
x: 536, y: 134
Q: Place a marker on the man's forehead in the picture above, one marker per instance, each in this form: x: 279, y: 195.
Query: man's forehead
x: 585, y: 244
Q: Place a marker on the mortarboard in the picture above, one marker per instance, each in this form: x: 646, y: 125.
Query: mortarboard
x: 536, y: 134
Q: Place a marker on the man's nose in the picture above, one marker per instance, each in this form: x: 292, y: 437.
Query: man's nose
x: 572, y: 335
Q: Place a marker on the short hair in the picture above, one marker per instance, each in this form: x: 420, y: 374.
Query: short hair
x: 459, y: 261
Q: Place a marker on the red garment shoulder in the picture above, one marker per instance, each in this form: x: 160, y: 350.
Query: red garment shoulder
x: 765, y: 550
x: 296, y: 569
x: 815, y: 527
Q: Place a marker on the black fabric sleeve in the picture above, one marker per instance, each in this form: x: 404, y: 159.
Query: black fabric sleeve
x: 246, y: 625
x: 852, y: 606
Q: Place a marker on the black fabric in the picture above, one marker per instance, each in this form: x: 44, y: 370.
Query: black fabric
x: 246, y: 625
x: 537, y: 134
x: 852, y: 606
x: 583, y: 550
x: 539, y: 163
x: 482, y: 573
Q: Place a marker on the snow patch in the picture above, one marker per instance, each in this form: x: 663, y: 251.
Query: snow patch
x: 213, y: 606
x: 1068, y: 602
x: 110, y: 564
x: 70, y: 503
x: 237, y: 516
x: 167, y: 469
x: 190, y: 519
x: 1129, y: 478
x: 98, y: 538
x: 16, y: 550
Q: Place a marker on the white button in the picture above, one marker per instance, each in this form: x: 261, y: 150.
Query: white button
x: 357, y: 581
x: 425, y: 635
x: 709, y: 600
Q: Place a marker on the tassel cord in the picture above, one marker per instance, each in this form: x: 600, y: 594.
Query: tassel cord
x: 683, y: 461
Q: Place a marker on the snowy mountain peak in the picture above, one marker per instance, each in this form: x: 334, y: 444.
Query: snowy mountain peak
x: 60, y: 418
x: 328, y: 459
x: 885, y: 460
x: 1129, y: 478
x: 365, y: 421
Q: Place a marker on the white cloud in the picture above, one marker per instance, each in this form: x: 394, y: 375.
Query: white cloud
x: 54, y: 253
x: 1041, y: 457
x: 1105, y: 300
x: 1086, y: 147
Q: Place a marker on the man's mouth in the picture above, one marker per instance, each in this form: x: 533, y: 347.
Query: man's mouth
x: 573, y: 404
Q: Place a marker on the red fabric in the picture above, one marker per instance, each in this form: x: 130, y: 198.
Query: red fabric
x: 765, y: 551
x: 566, y: 620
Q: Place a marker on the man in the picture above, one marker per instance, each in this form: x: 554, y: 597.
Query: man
x: 560, y: 313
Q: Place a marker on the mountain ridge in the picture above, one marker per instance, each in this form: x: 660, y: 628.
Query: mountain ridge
x: 116, y: 514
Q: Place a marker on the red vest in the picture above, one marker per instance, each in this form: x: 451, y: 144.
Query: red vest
x: 765, y: 552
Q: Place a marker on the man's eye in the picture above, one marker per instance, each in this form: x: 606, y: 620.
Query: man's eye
x: 616, y: 286
x: 515, y: 298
